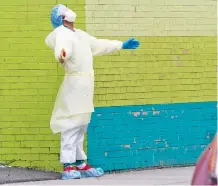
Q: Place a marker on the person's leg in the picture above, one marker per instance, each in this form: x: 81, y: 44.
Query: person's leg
x: 80, y: 154
x: 68, y: 153
x: 86, y: 170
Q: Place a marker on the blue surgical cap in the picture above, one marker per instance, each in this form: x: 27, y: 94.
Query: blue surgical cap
x: 56, y: 18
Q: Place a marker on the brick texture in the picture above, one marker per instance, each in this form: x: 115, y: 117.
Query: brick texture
x: 151, y: 17
x: 29, y: 80
x: 143, y: 136
x: 164, y: 70
x: 176, y: 63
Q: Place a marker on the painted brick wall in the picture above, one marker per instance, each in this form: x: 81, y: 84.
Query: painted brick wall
x: 172, y: 77
x: 151, y: 17
x: 156, y: 135
x: 179, y: 66
x: 177, y: 58
x: 29, y: 80
x: 163, y: 70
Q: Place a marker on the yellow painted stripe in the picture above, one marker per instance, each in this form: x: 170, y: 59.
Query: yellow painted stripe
x: 151, y: 17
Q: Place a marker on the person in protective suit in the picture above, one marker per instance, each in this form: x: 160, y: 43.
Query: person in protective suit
x: 75, y: 49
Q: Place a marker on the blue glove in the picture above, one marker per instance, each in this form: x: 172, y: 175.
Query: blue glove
x: 130, y: 44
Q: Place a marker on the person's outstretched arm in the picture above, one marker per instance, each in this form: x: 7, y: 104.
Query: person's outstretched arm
x: 104, y: 46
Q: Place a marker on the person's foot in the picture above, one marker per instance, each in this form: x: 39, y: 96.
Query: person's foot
x: 70, y: 173
x: 89, y: 171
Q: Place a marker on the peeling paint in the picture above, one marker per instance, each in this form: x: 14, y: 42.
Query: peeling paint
x: 99, y: 114
x: 161, y: 162
x: 161, y: 76
x: 185, y: 51
x: 166, y: 145
x: 156, y: 112
x: 143, y: 141
x: 144, y: 113
x: 175, y: 148
x: 153, y: 157
x: 136, y: 114
x: 127, y: 146
x: 115, y: 113
x: 179, y: 64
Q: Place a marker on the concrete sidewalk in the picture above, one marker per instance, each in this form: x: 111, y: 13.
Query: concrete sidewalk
x: 168, y: 176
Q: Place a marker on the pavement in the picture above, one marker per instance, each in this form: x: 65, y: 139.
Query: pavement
x: 166, y: 176
x: 14, y: 174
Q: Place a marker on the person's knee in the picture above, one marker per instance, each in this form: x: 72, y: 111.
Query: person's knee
x: 69, y: 146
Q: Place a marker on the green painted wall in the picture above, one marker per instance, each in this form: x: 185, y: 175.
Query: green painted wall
x: 29, y: 80
x: 164, y: 70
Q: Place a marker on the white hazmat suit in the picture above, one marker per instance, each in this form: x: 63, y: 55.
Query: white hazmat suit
x: 74, y: 102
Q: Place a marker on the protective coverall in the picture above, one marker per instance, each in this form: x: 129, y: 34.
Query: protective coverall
x: 74, y: 102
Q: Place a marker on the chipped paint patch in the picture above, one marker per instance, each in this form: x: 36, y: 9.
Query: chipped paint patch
x: 144, y: 113
x: 185, y: 51
x: 99, y: 115
x: 161, y: 76
x: 138, y: 135
x: 179, y: 64
x: 166, y: 145
x: 136, y: 114
x: 175, y: 148
x: 127, y: 146
x: 161, y: 162
x: 156, y: 112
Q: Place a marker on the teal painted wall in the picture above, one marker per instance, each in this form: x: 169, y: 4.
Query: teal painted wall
x: 126, y: 137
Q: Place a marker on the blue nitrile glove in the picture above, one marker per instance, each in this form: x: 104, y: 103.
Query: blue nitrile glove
x: 130, y: 44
